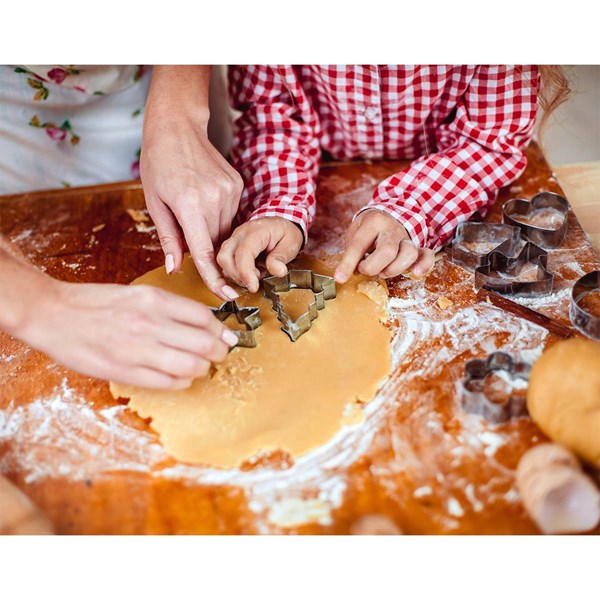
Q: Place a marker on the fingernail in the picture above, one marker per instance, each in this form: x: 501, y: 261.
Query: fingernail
x: 229, y: 337
x: 418, y: 271
x: 169, y: 264
x: 230, y: 292
x: 340, y: 277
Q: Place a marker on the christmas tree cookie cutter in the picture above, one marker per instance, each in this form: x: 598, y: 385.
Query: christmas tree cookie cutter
x: 322, y: 286
x: 474, y: 398
x: 245, y: 315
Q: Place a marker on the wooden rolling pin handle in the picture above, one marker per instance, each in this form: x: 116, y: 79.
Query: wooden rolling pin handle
x: 558, y: 496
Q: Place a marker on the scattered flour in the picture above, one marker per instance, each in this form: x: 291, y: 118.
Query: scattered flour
x: 291, y: 512
x: 87, y: 442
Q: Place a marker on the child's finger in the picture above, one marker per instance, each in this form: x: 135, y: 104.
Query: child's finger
x: 424, y: 263
x: 245, y: 259
x: 386, y: 250
x: 358, y: 244
x: 226, y: 259
x: 407, y: 255
x: 284, y: 251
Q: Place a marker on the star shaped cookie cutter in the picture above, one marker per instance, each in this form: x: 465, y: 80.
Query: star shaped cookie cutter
x: 501, y: 273
x: 474, y: 398
x: 322, y: 286
x: 546, y: 237
x: 245, y: 315
x: 582, y: 318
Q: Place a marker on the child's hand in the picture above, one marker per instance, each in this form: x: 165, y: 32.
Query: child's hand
x: 279, y: 238
x: 390, y: 248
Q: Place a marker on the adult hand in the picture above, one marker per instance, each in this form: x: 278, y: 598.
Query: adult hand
x: 191, y: 190
x: 137, y: 335
x: 390, y: 250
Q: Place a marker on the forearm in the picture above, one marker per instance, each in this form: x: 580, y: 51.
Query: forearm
x: 22, y: 289
x: 279, y: 165
x: 480, y: 151
x: 275, y: 147
x: 179, y: 91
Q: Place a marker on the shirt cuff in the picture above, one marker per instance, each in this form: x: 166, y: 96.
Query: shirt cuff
x: 294, y: 213
x: 414, y: 223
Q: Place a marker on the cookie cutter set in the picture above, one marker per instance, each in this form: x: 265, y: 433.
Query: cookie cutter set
x: 322, y: 286
x: 499, y: 253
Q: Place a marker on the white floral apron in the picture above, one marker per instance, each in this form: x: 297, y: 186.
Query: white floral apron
x: 63, y: 126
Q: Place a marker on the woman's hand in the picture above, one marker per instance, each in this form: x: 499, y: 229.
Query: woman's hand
x: 390, y: 250
x: 191, y: 190
x: 137, y: 335
x: 279, y: 238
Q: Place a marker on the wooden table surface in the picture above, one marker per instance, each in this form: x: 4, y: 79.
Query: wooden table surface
x: 96, y: 467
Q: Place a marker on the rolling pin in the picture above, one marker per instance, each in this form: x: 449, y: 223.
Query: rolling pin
x: 556, y: 493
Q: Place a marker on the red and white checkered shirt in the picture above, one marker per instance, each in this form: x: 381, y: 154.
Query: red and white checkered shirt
x: 465, y: 126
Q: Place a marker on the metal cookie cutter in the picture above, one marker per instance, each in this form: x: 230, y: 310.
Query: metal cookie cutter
x: 546, y: 237
x: 474, y: 398
x: 584, y: 320
x: 473, y: 243
x: 246, y: 315
x: 322, y: 286
x: 502, y: 272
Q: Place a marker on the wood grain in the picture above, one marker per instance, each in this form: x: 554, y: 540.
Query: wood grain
x: 97, y: 468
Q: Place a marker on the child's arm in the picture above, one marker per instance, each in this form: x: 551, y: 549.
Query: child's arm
x: 479, y: 151
x: 276, y: 150
x: 276, y: 146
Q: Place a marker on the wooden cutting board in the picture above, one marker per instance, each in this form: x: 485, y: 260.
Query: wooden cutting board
x: 96, y: 467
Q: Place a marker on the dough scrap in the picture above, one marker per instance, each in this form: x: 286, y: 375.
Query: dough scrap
x: 280, y: 395
x: 564, y: 396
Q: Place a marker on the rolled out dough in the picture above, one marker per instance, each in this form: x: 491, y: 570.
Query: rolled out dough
x: 292, y: 396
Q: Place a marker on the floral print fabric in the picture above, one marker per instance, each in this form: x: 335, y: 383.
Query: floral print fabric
x: 70, y: 125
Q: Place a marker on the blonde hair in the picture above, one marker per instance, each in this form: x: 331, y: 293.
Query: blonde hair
x: 554, y: 90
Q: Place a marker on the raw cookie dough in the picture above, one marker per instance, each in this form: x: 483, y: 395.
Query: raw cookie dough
x: 564, y: 396
x: 281, y: 394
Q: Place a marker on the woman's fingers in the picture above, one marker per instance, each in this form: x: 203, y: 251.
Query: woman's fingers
x: 198, y: 315
x: 172, y: 362
x: 202, y: 250
x: 196, y: 341
x: 148, y: 378
x: 169, y: 235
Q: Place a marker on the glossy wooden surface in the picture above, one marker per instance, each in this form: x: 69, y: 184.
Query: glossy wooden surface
x: 95, y: 467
